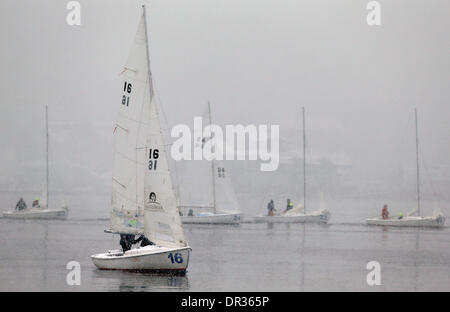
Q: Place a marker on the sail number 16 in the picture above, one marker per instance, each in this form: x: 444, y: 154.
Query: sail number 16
x: 153, y: 155
x: 178, y: 258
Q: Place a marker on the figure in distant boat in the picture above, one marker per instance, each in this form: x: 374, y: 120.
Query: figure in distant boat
x: 144, y: 241
x: 385, y: 212
x: 400, y: 215
x: 289, y: 205
x: 21, y: 204
x: 271, y: 208
x: 191, y: 213
x: 35, y: 203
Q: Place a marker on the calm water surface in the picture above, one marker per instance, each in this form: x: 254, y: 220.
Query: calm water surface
x: 248, y: 257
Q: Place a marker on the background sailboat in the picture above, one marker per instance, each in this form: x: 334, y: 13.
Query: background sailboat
x: 143, y: 199
x: 42, y: 210
x: 437, y: 220
x: 225, y: 208
x: 299, y: 213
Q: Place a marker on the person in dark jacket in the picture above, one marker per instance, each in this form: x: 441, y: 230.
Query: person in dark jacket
x: 144, y: 241
x: 126, y: 240
x: 270, y: 208
x: 21, y: 205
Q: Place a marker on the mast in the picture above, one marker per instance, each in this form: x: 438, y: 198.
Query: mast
x: 150, y: 83
x: 46, y: 153
x: 417, y: 159
x: 148, y: 53
x: 304, y: 161
x: 212, y: 164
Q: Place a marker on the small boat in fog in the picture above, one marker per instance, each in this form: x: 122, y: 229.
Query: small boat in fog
x: 143, y: 200
x: 298, y: 214
x: 225, y: 208
x: 313, y: 217
x: 211, y: 217
x: 437, y: 220
x: 38, y: 213
x: 40, y: 208
x: 411, y: 220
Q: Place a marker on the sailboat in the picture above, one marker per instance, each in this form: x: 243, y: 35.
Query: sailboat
x: 436, y: 220
x: 40, y: 209
x: 225, y: 208
x: 143, y: 199
x: 299, y: 214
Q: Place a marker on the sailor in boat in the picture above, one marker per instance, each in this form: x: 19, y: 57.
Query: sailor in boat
x: 289, y: 205
x: 126, y: 240
x: 401, y: 215
x: 21, y: 204
x: 270, y: 208
x: 35, y: 203
x: 385, y: 212
x: 144, y: 241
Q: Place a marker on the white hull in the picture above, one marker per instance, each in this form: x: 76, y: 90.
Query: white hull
x: 225, y: 218
x: 148, y: 258
x: 410, y: 221
x: 38, y: 213
x: 322, y: 216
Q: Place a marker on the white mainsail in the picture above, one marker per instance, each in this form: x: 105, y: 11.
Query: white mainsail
x: 141, y: 178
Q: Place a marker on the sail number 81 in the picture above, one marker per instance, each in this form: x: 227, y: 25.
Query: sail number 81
x: 178, y: 258
x: 153, y: 155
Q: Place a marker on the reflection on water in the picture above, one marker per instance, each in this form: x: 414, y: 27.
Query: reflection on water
x: 129, y: 281
x: 248, y: 257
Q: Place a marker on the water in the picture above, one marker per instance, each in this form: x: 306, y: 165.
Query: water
x: 248, y: 257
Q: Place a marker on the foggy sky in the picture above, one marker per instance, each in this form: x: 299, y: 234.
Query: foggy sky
x: 258, y: 62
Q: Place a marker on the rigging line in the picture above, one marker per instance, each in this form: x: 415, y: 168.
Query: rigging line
x: 52, y: 170
x: 166, y: 124
x: 428, y: 175
x: 130, y: 159
x: 140, y: 123
x: 122, y: 185
x: 128, y: 200
x: 119, y: 126
x: 132, y: 119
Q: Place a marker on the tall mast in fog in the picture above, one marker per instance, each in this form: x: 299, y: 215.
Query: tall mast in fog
x: 46, y: 153
x: 304, y: 161
x: 417, y: 163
